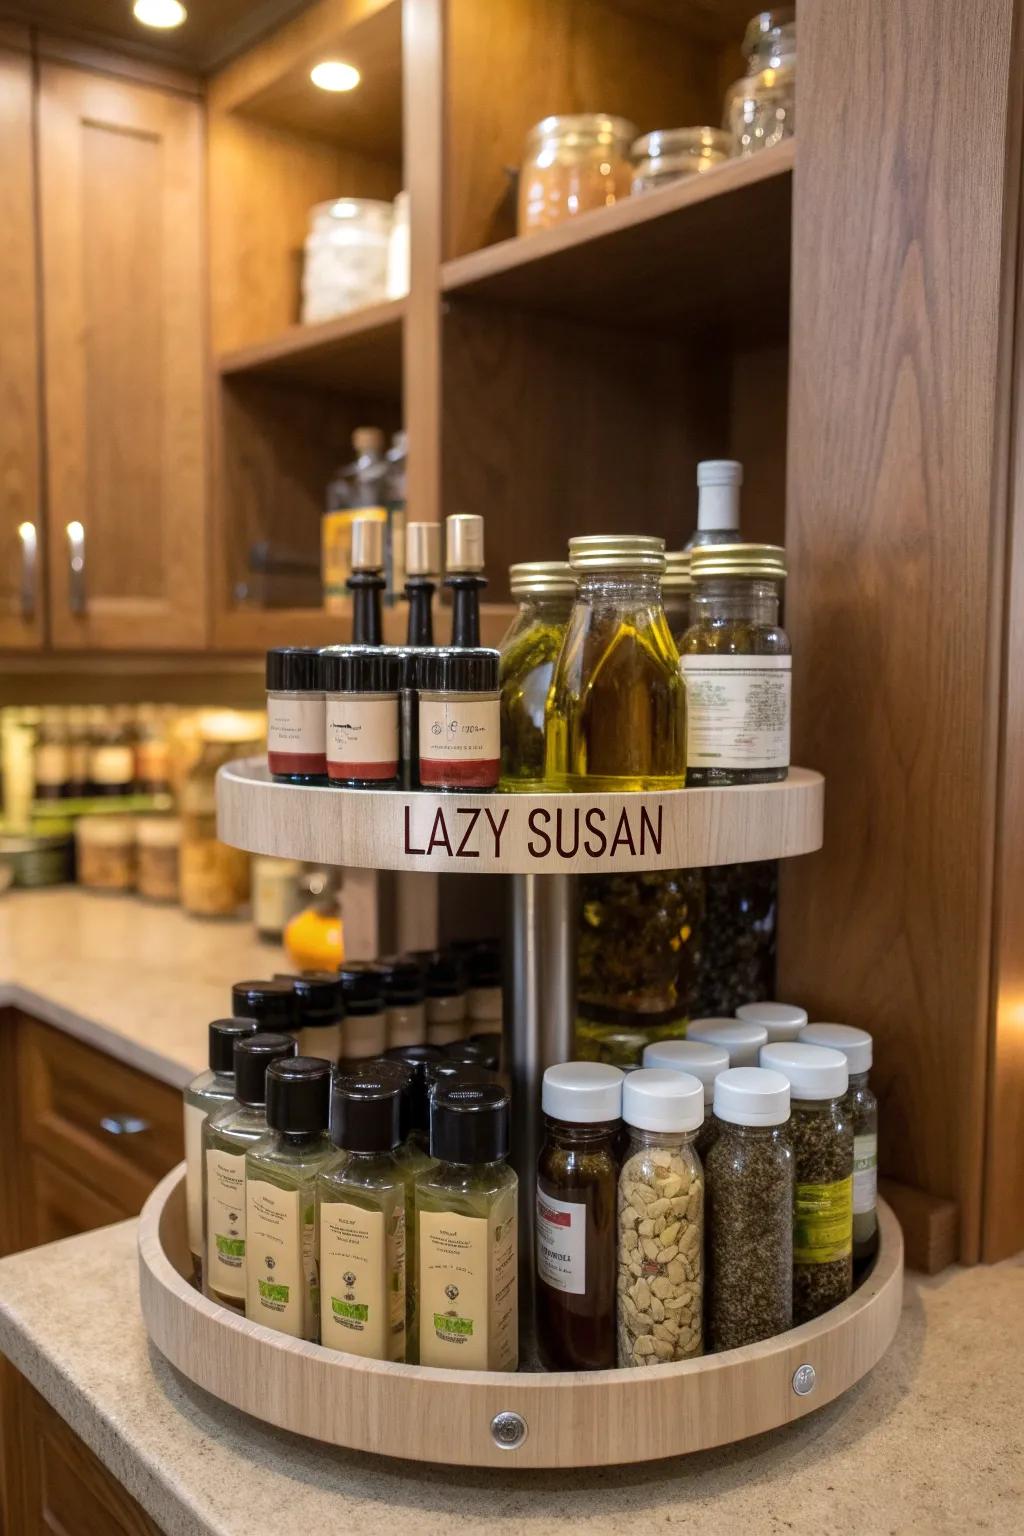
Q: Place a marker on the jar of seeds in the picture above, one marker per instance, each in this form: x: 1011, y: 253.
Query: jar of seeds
x: 749, y: 1175
x: 661, y: 1220
x: 821, y: 1134
x: 702, y: 1061
x: 855, y: 1045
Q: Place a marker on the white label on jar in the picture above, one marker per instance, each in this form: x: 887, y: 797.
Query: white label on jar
x: 865, y: 1173
x: 296, y: 724
x: 278, y: 1259
x: 225, y: 1223
x: 454, y: 729
x: 737, y: 711
x: 561, y: 1244
x: 194, y: 1118
x: 362, y: 732
x: 362, y: 1280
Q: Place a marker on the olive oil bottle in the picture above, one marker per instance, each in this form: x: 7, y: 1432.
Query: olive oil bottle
x: 206, y: 1095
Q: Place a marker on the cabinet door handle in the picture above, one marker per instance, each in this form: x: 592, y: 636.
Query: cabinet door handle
x: 29, y: 555
x: 76, y: 566
x: 124, y: 1125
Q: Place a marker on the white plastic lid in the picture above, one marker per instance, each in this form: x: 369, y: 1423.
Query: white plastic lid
x: 814, y: 1071
x: 855, y: 1044
x: 582, y: 1092
x: 655, y: 1099
x: 694, y: 1056
x: 752, y: 1096
x: 719, y: 472
x: 741, y: 1040
x: 783, y: 1021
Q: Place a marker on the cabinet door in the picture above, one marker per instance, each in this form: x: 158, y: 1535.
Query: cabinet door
x: 120, y: 180
x: 20, y: 516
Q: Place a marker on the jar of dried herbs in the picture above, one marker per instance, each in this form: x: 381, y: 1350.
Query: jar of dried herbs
x: 856, y: 1046
x: 544, y: 590
x: 737, y: 665
x: 749, y: 1173
x: 742, y: 1041
x: 661, y: 1220
x: 577, y: 1179
x: 702, y: 1061
x: 821, y: 1134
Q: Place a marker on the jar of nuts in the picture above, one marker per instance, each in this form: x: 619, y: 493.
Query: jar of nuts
x: 661, y: 1220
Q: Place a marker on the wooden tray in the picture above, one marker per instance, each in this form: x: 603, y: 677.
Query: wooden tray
x: 488, y: 834
x: 567, y: 1419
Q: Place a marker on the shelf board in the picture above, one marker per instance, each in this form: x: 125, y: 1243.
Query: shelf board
x: 712, y: 248
x: 360, y: 353
x: 518, y: 834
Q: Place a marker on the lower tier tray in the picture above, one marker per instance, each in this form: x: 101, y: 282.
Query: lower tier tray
x: 568, y: 1419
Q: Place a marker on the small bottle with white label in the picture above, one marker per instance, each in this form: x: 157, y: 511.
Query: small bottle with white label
x: 459, y: 719
x: 361, y: 691
x: 737, y: 667
x: 227, y: 1136
x: 361, y: 1222
x: 319, y: 1014
x: 466, y: 1233
x: 366, y: 1021
x: 281, y: 1285
x: 206, y: 1095
x: 856, y: 1046
x: 575, y: 1230
x: 296, y: 752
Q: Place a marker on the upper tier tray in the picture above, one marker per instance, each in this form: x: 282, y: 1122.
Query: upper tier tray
x: 518, y: 834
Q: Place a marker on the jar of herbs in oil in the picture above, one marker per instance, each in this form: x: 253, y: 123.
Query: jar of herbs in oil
x: 544, y: 590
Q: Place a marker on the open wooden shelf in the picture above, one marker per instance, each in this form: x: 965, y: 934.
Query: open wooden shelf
x: 711, y: 249
x: 581, y: 1419
x: 360, y: 352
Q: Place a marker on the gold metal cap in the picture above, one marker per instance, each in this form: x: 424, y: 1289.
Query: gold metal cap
x: 464, y: 542
x: 765, y: 560
x: 367, y: 544
x: 423, y: 549
x: 677, y: 576
x: 617, y: 552
x: 538, y: 577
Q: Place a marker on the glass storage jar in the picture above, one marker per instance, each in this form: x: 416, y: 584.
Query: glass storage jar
x: 857, y: 1046
x: 214, y: 878
x: 346, y: 257
x: 737, y: 665
x: 671, y: 154
x: 158, y: 840
x: 544, y: 590
x: 105, y: 851
x: 760, y: 107
x: 572, y: 164
x: 616, y: 713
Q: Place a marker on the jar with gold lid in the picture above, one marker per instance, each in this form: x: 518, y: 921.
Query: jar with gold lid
x: 760, y: 108
x: 572, y: 164
x: 676, y: 588
x: 545, y: 591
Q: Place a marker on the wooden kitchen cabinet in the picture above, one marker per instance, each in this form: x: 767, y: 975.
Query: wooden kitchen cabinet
x: 120, y: 235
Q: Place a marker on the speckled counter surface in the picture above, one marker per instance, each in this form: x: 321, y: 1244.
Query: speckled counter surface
x: 137, y: 980
x: 929, y: 1444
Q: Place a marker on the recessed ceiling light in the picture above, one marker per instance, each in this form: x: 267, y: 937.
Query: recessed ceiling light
x: 333, y: 75
x: 159, y: 13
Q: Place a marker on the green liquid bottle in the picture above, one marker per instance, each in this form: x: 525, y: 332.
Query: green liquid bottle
x: 206, y: 1095
x: 281, y: 1285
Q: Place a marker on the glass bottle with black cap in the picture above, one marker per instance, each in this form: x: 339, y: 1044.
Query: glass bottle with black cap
x: 361, y: 700
x: 281, y: 1287
x: 227, y: 1136
x: 366, y: 1023
x: 466, y: 1233
x: 204, y: 1096
x: 270, y: 1001
x: 319, y: 1009
x: 459, y: 719
x: 296, y: 752
x: 446, y: 995
x: 401, y: 981
x: 361, y: 1221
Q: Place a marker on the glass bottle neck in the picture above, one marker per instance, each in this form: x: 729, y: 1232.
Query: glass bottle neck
x: 466, y: 587
x: 546, y: 608
x: 638, y: 587
x: 735, y: 597
x: 367, y: 621
x: 420, y: 592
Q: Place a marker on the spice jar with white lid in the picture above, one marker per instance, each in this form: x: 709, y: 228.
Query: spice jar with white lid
x: 702, y: 1060
x: 856, y: 1046
x: 459, y: 718
x: 821, y: 1134
x: 575, y: 1230
x: 661, y: 1220
x: 296, y: 752
x: 361, y: 692
x: 741, y: 1040
x: 749, y: 1174
x: 783, y: 1021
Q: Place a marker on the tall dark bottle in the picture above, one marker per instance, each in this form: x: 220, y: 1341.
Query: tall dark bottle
x: 464, y: 563
x: 423, y: 567
x: 366, y: 582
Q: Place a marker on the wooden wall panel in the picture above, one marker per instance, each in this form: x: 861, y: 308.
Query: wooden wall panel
x: 894, y: 528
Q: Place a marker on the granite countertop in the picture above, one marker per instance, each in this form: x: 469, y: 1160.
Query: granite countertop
x: 929, y: 1444
x: 137, y: 980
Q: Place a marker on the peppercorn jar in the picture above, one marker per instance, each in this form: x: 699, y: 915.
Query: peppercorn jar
x: 737, y: 665
x: 544, y: 590
x: 572, y: 163
x: 821, y: 1135
x: 749, y: 1173
x: 660, y: 1220
x: 575, y: 1229
x: 616, y: 713
x: 760, y: 107
x: 856, y: 1046
x: 702, y: 1061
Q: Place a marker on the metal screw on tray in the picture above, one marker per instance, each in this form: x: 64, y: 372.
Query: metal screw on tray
x: 804, y: 1380
x: 508, y: 1431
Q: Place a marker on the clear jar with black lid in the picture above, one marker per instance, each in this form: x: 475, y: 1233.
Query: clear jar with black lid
x: 366, y: 1024
x: 402, y: 986
x: 319, y: 1013
x: 271, y: 1002
x: 737, y: 666
x: 361, y: 692
x: 545, y: 591
x: 459, y: 718
x: 296, y: 750
x: 857, y: 1046
x: 575, y: 1228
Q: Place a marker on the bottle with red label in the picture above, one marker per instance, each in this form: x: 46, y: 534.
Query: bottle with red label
x: 459, y: 718
x: 295, y: 715
x: 361, y: 691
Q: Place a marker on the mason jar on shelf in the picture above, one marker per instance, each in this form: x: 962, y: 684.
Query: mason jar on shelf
x: 760, y: 107
x: 572, y: 164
